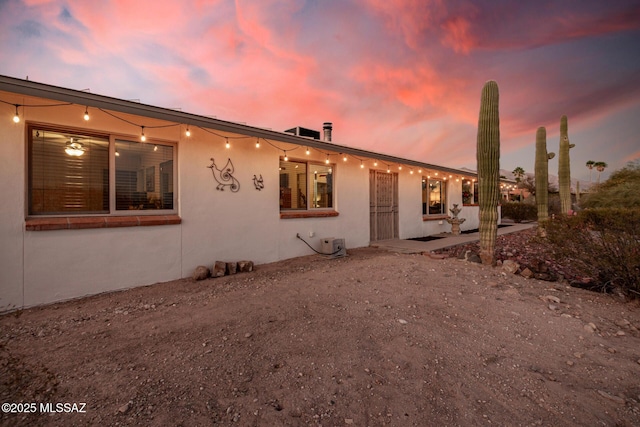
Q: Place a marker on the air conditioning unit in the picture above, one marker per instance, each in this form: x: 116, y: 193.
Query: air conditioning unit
x: 333, y: 247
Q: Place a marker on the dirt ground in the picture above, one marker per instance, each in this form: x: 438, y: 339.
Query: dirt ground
x: 373, y: 339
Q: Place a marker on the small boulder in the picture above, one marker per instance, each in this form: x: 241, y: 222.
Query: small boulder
x: 527, y: 273
x: 219, y: 269
x: 201, y: 272
x: 509, y: 266
x: 232, y: 268
x: 245, y: 266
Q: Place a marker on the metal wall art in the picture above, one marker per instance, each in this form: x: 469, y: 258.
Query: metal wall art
x: 258, y: 182
x: 224, y: 177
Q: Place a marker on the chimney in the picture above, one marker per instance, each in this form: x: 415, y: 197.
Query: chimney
x: 327, y: 127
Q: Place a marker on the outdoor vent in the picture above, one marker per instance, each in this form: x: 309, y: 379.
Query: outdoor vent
x: 334, y: 247
x: 300, y: 131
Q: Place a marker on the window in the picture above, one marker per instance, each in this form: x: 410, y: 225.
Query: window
x: 433, y: 196
x: 144, y: 176
x: 70, y: 172
x: 305, y: 185
x: 469, y: 193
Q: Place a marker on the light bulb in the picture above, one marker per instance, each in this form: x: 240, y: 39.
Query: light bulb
x: 16, y: 118
x: 361, y: 165
x: 86, y: 113
x: 308, y: 151
x: 257, y: 143
x: 143, y: 138
x: 188, y: 132
x: 344, y: 159
x: 227, y: 144
x: 286, y: 159
x: 400, y: 168
x: 155, y: 148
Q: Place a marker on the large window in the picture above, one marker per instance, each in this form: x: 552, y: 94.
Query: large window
x: 70, y: 173
x: 305, y: 185
x: 433, y: 196
x: 144, y: 176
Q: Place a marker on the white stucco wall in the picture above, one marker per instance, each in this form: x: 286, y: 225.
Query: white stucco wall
x: 38, y: 267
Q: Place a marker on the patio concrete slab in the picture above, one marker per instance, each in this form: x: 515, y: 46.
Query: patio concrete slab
x: 448, y: 240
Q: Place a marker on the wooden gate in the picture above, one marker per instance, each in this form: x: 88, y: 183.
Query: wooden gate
x: 383, y: 205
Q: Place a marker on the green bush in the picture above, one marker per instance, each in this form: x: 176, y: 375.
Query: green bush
x: 603, y: 244
x: 519, y: 212
x: 619, y: 191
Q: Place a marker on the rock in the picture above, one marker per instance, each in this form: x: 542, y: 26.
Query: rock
x: 527, y: 273
x: 509, y: 266
x: 590, y: 327
x: 402, y: 321
x: 126, y: 407
x: 553, y: 307
x: 348, y: 420
x: 245, y: 266
x: 620, y: 333
x: 434, y: 255
x: 201, y: 273
x: 611, y: 397
x: 551, y: 299
x: 219, y: 269
x: 231, y: 268
x: 624, y: 323
x: 473, y: 257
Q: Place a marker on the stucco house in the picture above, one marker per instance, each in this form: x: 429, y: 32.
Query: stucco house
x: 101, y: 194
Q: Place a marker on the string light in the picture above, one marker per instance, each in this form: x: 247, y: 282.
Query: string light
x: 361, y: 165
x: 228, y: 145
x: 375, y: 163
x: 327, y: 161
x: 86, y: 113
x: 400, y: 167
x: 411, y: 171
x: 308, y: 151
x: 286, y: 159
x: 344, y: 159
x: 16, y: 118
x: 187, y: 132
x: 258, y: 143
x: 143, y: 138
x: 419, y: 170
x: 388, y: 169
x: 155, y: 148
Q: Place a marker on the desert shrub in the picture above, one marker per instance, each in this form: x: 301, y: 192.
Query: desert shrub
x: 619, y: 191
x: 603, y: 244
x: 519, y: 211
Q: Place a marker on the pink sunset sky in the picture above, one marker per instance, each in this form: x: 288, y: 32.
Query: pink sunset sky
x: 401, y: 77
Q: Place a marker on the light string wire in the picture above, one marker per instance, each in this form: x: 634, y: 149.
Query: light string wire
x: 328, y: 154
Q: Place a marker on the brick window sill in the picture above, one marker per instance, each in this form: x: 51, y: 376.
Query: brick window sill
x: 434, y: 217
x: 84, y: 222
x: 308, y: 214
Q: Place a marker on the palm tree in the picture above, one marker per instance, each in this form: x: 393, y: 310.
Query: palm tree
x: 518, y: 173
x: 590, y: 165
x: 600, y: 166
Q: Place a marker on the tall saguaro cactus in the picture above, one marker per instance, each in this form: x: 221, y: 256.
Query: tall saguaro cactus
x: 542, y: 174
x: 488, y: 157
x: 564, y: 167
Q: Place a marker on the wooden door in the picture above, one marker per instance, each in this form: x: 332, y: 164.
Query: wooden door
x: 383, y: 205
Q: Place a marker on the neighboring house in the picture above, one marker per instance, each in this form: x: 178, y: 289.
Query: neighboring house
x: 88, y: 207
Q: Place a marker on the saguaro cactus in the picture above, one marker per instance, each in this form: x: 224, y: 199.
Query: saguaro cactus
x: 542, y: 174
x: 564, y: 167
x: 488, y: 157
